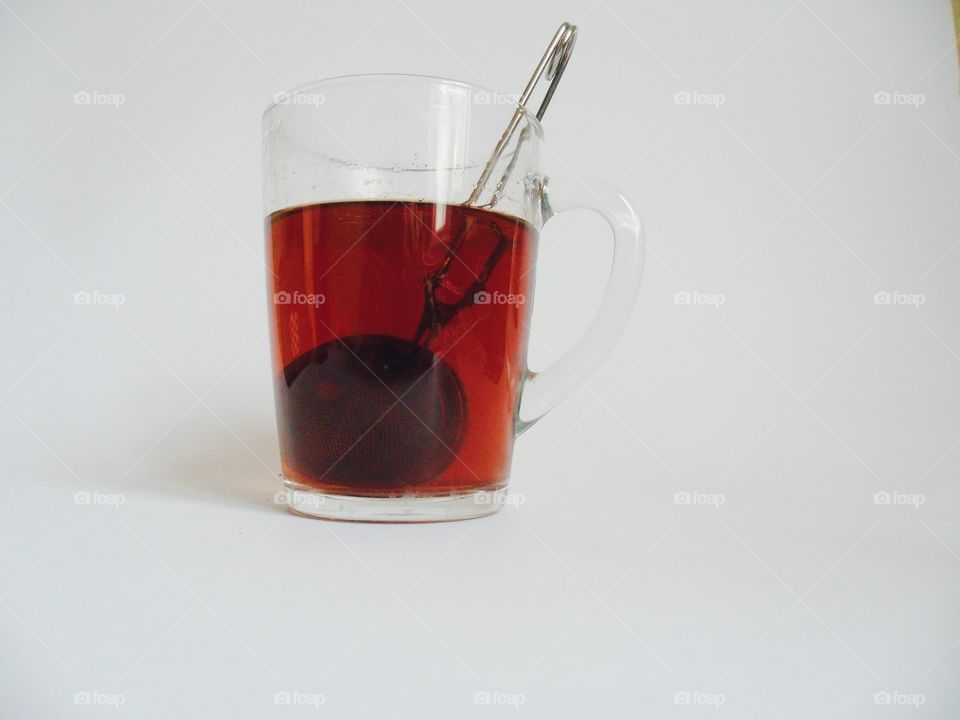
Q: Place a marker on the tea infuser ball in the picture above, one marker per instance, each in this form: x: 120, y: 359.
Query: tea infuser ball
x: 373, y: 411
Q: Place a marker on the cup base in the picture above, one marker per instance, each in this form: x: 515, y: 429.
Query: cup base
x: 310, y: 502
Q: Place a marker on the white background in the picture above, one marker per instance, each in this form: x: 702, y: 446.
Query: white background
x: 795, y: 201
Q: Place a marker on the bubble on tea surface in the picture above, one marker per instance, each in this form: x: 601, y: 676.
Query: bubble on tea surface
x: 342, y: 407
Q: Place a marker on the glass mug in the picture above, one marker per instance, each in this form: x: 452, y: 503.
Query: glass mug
x: 400, y: 313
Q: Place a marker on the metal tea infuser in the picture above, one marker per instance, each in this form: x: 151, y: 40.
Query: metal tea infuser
x: 370, y: 423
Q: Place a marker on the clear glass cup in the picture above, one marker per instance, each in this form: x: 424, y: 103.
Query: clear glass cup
x: 400, y: 313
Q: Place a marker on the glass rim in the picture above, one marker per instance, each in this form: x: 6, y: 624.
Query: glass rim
x: 530, y: 116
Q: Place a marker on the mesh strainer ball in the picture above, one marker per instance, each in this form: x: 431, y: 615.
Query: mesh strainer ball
x: 347, y: 426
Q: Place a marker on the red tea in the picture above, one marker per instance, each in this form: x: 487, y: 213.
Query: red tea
x: 399, y: 345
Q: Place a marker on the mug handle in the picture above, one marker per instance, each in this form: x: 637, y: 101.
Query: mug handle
x: 543, y: 390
